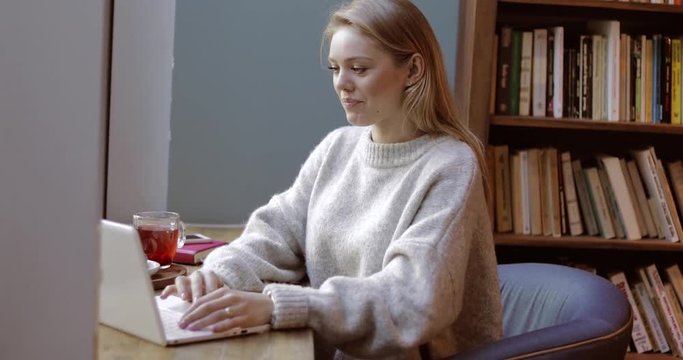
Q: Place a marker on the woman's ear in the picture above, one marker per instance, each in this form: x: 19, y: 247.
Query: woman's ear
x: 416, y: 69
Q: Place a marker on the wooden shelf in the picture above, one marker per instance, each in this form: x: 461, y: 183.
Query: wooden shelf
x: 584, y: 124
x: 585, y: 242
x: 617, y: 5
x: 634, y: 356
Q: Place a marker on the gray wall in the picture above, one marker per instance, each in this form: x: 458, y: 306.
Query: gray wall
x: 140, y: 109
x: 251, y: 99
x: 53, y: 75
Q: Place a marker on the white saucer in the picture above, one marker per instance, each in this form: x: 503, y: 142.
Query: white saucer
x: 152, y: 267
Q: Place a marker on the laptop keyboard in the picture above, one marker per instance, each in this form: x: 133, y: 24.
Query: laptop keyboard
x: 169, y: 320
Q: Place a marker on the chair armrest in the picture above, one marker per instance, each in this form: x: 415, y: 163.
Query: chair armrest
x: 577, y: 333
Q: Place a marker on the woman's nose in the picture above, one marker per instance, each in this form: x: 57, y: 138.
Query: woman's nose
x: 344, y: 81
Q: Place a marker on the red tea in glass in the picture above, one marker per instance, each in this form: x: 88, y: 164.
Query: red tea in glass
x: 159, y: 243
x: 161, y: 233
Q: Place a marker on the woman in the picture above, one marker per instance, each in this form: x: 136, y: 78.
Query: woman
x: 383, y: 243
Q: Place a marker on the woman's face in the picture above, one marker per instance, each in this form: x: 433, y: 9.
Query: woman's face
x: 368, y: 82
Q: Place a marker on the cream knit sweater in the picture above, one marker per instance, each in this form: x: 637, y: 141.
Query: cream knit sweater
x: 393, y: 240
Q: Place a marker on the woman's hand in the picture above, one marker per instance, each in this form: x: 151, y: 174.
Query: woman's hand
x: 189, y: 288
x: 225, y: 309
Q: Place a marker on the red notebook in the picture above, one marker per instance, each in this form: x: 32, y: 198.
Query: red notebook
x: 194, y: 254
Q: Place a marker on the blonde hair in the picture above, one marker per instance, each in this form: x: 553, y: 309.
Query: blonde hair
x: 401, y: 29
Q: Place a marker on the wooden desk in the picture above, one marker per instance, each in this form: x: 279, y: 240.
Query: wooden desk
x: 290, y: 344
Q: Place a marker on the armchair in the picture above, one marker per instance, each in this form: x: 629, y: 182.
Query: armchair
x: 557, y: 312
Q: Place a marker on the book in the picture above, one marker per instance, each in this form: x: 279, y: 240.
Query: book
x: 647, y: 166
x: 535, y: 193
x: 639, y: 334
x: 610, y: 198
x: 525, y: 73
x: 665, y: 80
x: 504, y: 62
x: 650, y: 317
x: 587, y: 213
x: 491, y: 191
x: 570, y: 198
x: 599, y: 202
x: 676, y: 81
x: 517, y: 189
x: 676, y: 177
x: 669, y: 198
x: 671, y: 323
x: 647, y: 64
x: 494, y: 75
x: 514, y: 72
x: 550, y: 51
x: 636, y: 208
x: 539, y: 72
x: 193, y: 254
x: 553, y: 191
x: 610, y: 29
x: 625, y: 213
x: 558, y: 68
x: 642, y: 199
x: 596, y: 83
x: 502, y: 188
x: 657, y: 78
x: 673, y: 273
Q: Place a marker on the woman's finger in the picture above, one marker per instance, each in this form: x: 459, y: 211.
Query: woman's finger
x: 182, y: 284
x: 168, y: 291
x: 211, y: 281
x: 206, y: 305
x: 218, y: 315
x: 197, y: 284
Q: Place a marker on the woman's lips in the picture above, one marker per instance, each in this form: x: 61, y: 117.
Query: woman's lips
x: 349, y: 103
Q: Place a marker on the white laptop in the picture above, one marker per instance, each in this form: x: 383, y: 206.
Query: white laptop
x: 127, y: 300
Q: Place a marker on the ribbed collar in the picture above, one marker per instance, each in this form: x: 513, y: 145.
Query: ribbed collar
x: 394, y: 155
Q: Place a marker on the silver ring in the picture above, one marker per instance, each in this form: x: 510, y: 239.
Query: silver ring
x: 228, y: 312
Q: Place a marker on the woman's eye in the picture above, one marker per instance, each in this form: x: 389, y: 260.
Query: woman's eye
x: 334, y: 69
x: 358, y: 69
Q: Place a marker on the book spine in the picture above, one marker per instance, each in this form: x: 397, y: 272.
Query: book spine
x: 526, y: 201
x: 636, y: 71
x: 515, y: 72
x: 641, y: 198
x: 525, y: 73
x: 517, y: 191
x: 641, y: 293
x: 584, y: 198
x: 648, y: 171
x: 504, y: 60
x: 649, y: 96
x: 596, y: 75
x: 539, y: 71
x: 535, y: 194
x: 571, y: 201
x: 558, y: 73
x: 666, y: 80
x: 502, y: 187
x: 656, y: 78
x: 667, y: 310
x: 638, y: 331
x: 610, y: 198
x: 676, y: 81
x: 599, y: 203
x: 550, y: 63
x: 643, y: 71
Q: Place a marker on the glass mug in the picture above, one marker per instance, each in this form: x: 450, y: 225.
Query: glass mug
x: 161, y: 233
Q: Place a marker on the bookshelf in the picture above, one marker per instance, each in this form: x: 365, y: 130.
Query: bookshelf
x: 583, y: 137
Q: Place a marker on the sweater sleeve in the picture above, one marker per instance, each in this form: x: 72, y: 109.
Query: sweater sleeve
x: 271, y: 247
x: 419, y: 290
